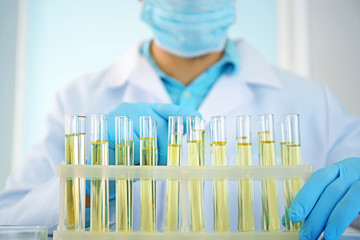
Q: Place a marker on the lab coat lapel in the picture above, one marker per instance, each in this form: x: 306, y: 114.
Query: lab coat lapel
x: 146, y: 79
x: 140, y: 80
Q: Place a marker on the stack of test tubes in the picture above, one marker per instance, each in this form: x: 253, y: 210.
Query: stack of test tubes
x: 182, y: 189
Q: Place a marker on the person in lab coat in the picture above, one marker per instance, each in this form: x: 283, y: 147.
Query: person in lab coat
x: 191, y: 67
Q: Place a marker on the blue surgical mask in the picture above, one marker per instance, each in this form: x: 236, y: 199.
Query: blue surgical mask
x: 189, y: 28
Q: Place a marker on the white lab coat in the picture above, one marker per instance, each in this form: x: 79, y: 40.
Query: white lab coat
x: 328, y: 133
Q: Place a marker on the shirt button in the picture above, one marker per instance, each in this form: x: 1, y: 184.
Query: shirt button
x: 187, y: 94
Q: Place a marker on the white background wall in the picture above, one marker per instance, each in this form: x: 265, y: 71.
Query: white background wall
x: 335, y: 48
x: 8, y: 26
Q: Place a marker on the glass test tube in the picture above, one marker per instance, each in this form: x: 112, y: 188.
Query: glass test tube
x: 99, y: 200
x: 147, y: 186
x: 203, y: 142
x: 82, y: 185
x: 124, y: 188
x: 293, y: 146
x: 156, y: 151
x: 221, y: 186
x: 286, y: 182
x: 174, y: 158
x: 131, y: 139
x: 194, y: 150
x: 72, y: 204
x: 245, y: 186
x: 269, y: 194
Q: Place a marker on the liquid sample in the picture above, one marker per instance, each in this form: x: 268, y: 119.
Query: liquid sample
x: 173, y: 190
x: 72, y: 203
x: 293, y: 185
x: 131, y: 152
x: 269, y: 197
x: 147, y: 188
x: 286, y: 187
x: 124, y: 191
x: 99, y: 211
x: 203, y: 147
x: 221, y: 188
x: 197, y: 224
x: 245, y: 197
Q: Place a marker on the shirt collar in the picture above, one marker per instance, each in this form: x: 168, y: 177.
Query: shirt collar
x: 254, y: 68
x: 229, y: 60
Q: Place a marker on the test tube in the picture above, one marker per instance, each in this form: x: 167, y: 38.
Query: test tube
x: 99, y: 200
x: 244, y: 158
x: 174, y: 158
x: 147, y: 186
x: 131, y: 139
x: 72, y: 203
x: 269, y: 194
x: 123, y: 185
x: 194, y: 151
x: 203, y: 141
x: 82, y: 185
x: 221, y: 186
x: 286, y: 182
x: 293, y: 146
x: 156, y: 151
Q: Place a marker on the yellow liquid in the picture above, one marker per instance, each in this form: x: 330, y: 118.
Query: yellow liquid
x: 131, y: 152
x: 245, y: 198
x: 196, y: 188
x: 99, y: 201
x: 221, y: 189
x: 270, y: 209
x: 203, y: 145
x: 147, y: 188
x: 123, y: 191
x: 82, y: 185
x: 173, y: 190
x: 286, y: 187
x: 72, y: 203
x: 292, y: 186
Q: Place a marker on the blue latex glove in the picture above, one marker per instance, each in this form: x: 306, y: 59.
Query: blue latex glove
x: 160, y: 112
x: 329, y: 201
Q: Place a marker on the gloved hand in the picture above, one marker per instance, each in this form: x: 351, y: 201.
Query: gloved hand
x: 160, y: 112
x: 329, y: 201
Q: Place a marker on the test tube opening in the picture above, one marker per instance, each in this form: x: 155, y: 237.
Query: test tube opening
x: 292, y: 126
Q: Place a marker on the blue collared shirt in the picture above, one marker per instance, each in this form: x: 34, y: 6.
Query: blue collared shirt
x: 191, y: 96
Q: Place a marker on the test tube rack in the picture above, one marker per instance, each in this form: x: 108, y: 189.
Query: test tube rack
x: 183, y: 173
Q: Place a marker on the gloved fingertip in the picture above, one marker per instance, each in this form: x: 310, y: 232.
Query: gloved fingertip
x: 304, y: 235
x: 296, y: 213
